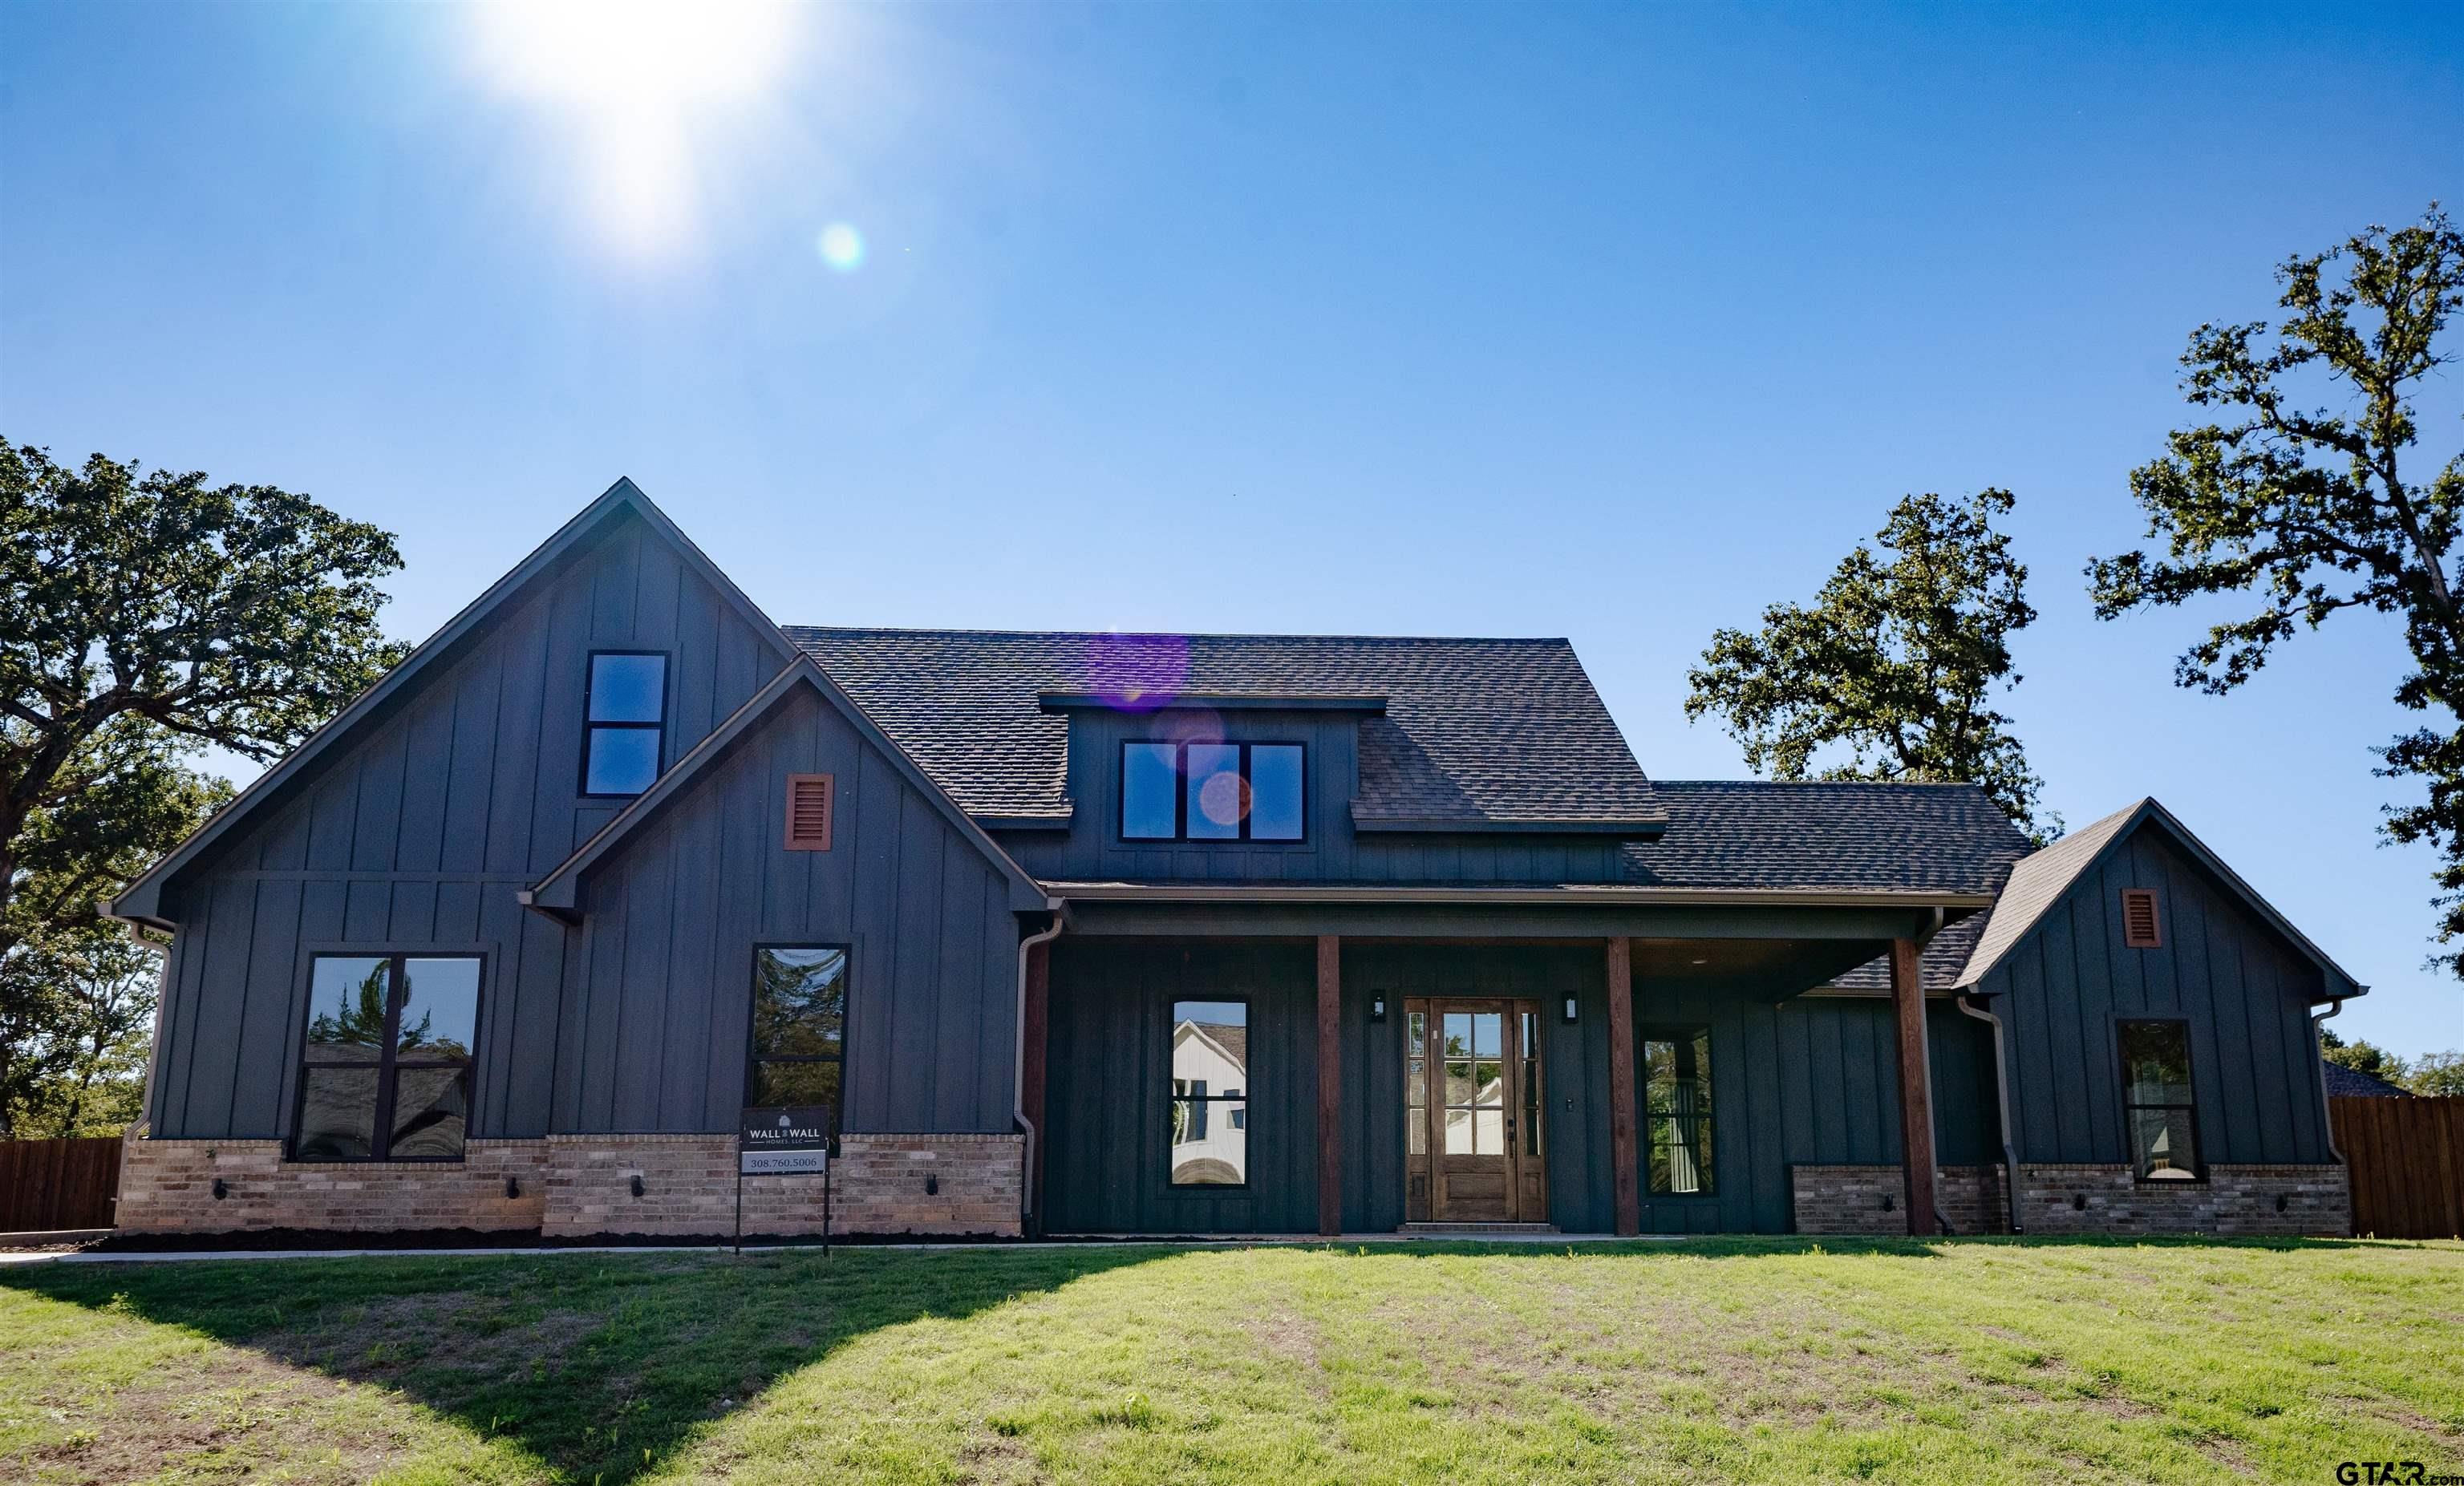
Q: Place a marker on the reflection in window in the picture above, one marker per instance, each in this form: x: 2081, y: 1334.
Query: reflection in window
x: 1415, y: 1078
x: 627, y: 711
x: 1213, y: 792
x: 1150, y: 791
x: 1210, y: 1080
x: 798, y: 1040
x: 1677, y: 1108
x: 2156, y: 1102
x: 1474, y: 1045
x: 386, y: 1060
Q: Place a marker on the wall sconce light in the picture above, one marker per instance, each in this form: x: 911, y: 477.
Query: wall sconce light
x: 1570, y: 1009
x: 637, y: 1184
x: 222, y: 1188
x: 1377, y: 1007
x: 2282, y: 1202
x: 1887, y: 1203
x: 2079, y: 1202
x: 931, y: 1185
x: 513, y: 1187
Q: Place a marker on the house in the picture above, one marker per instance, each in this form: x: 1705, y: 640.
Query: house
x: 2344, y: 1082
x: 1168, y: 934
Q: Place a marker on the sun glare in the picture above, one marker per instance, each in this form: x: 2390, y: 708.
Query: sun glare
x: 637, y: 80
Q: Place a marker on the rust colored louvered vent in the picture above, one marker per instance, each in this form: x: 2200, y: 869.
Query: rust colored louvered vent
x: 2139, y: 928
x: 808, y: 810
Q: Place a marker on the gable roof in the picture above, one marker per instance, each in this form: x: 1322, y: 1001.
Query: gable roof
x: 142, y: 900
x: 557, y: 892
x: 2042, y: 880
x: 1473, y: 734
x: 1828, y: 835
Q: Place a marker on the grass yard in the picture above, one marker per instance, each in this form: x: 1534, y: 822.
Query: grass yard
x: 1734, y: 1360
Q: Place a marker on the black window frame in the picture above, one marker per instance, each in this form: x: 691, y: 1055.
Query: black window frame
x: 2189, y: 1066
x: 389, y: 1061
x: 752, y: 1057
x: 1174, y: 1097
x: 1705, y: 1121
x: 590, y: 730
x: 1181, y: 793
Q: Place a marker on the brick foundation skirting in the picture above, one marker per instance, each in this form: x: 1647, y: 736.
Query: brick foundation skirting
x: 1871, y: 1199
x: 2269, y: 1200
x: 574, y: 1186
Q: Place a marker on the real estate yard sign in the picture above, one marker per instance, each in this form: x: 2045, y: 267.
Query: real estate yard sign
x: 793, y: 1141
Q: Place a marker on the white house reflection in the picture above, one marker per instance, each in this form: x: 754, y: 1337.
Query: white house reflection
x: 1210, y: 1078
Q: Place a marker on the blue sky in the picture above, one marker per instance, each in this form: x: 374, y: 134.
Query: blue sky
x: 1615, y: 324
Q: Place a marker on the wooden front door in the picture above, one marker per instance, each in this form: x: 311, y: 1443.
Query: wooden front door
x: 1472, y: 1089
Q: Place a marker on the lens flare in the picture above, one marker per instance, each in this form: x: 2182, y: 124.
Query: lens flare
x: 842, y: 247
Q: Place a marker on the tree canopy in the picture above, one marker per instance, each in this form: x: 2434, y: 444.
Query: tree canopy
x: 145, y: 617
x: 1894, y: 663
x: 2305, y: 492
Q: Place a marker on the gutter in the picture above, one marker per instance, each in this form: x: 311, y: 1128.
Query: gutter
x: 2319, y: 1056
x: 1017, y: 1061
x: 2002, y: 1096
x: 1571, y: 894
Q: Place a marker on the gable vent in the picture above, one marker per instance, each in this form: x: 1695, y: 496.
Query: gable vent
x: 810, y: 798
x: 2139, y: 927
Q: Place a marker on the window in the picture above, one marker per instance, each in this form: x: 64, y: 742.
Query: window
x: 1210, y: 1112
x: 1213, y: 792
x: 798, y: 1044
x: 627, y: 711
x: 1415, y: 1080
x: 1474, y: 1045
x: 2140, y: 927
x: 386, y: 1070
x: 1677, y: 1109
x: 2156, y: 1107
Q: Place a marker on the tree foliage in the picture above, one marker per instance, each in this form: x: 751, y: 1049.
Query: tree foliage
x: 1896, y: 663
x: 2316, y: 505
x: 144, y: 618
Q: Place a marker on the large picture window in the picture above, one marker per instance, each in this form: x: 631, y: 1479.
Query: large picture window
x: 1210, y: 1081
x: 799, y: 1025
x: 1677, y: 1109
x: 627, y: 713
x: 1213, y: 792
x: 385, y: 1071
x: 2156, y: 1104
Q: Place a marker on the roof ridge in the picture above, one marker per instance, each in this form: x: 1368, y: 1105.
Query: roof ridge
x: 1175, y: 634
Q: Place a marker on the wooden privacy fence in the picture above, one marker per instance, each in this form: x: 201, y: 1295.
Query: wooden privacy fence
x: 50, y: 1185
x: 2406, y: 1160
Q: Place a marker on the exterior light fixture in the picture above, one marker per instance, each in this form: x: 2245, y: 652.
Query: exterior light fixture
x: 1569, y: 1008
x: 637, y: 1184
x: 513, y: 1187
x: 931, y: 1185
x: 1377, y: 1008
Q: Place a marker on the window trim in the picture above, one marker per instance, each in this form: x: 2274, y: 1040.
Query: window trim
x: 1247, y: 1097
x: 847, y: 1025
x: 1181, y: 793
x: 1681, y: 1033
x: 2121, y: 1076
x: 590, y: 729
x: 305, y: 979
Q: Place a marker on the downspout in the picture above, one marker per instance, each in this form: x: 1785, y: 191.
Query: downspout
x: 2319, y: 1055
x: 1017, y: 1061
x: 2002, y: 1096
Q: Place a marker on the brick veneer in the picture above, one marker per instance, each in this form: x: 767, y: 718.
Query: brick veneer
x: 167, y: 1187
x: 2234, y: 1199
x: 1849, y: 1199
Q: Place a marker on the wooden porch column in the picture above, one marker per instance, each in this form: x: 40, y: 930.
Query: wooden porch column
x: 1330, y: 1084
x: 1916, y: 1087
x: 1624, y: 1159
x: 1032, y: 1066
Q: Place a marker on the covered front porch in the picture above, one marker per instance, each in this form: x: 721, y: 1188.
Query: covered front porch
x: 1204, y: 1068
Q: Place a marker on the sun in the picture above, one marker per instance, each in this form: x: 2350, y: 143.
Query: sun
x: 636, y: 80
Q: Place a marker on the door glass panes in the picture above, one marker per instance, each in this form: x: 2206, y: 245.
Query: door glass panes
x: 1416, y: 1081
x: 1528, y: 1046
x: 1209, y: 1111
x: 1217, y: 800
x: 1275, y: 792
x: 1677, y: 1110
x: 1150, y: 791
x: 1475, y: 1083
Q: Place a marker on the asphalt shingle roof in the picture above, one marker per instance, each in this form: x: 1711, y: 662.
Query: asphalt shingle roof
x: 1828, y: 835
x: 2344, y: 1082
x: 1473, y: 730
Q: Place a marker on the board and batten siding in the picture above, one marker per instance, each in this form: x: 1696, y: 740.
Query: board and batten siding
x: 418, y: 831
x: 1093, y: 849
x: 2243, y: 990
x: 658, y: 1012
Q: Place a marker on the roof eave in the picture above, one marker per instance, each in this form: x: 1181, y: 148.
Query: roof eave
x: 1566, y: 895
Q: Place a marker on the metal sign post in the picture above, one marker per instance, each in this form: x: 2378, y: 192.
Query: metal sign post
x: 790, y: 1141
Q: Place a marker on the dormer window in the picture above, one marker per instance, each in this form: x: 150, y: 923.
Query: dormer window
x: 1213, y: 792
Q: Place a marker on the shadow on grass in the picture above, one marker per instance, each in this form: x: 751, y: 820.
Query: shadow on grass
x: 602, y: 1366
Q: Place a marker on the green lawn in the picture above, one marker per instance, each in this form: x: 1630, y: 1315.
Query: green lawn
x: 1735, y: 1360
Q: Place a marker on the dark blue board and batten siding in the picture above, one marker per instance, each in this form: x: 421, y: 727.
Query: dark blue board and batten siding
x: 656, y: 1018
x: 1093, y: 849
x: 2243, y: 990
x: 419, y: 832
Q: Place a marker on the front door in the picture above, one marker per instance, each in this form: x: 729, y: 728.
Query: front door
x: 1472, y: 1090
